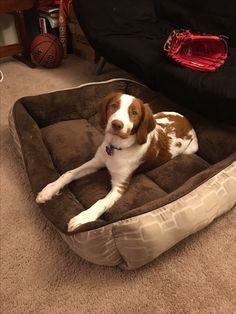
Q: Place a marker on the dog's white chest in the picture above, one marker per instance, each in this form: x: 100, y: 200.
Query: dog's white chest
x: 124, y: 160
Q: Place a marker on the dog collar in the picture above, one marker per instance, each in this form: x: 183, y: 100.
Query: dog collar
x: 110, y: 149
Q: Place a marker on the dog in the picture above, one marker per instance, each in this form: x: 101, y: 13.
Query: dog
x: 134, y: 140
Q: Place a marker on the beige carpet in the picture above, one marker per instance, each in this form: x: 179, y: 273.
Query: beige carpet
x: 40, y: 274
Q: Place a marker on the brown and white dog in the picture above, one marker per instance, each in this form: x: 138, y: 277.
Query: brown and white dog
x: 134, y: 139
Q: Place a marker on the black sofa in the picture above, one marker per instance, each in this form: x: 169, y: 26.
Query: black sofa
x: 131, y: 35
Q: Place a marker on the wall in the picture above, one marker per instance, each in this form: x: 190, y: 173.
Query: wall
x: 8, y: 35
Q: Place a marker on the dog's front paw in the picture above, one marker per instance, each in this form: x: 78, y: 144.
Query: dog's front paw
x: 82, y: 218
x: 47, y: 193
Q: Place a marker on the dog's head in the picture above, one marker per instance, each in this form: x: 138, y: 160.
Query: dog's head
x: 124, y: 115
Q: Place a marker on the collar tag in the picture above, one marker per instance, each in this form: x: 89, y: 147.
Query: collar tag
x: 110, y: 149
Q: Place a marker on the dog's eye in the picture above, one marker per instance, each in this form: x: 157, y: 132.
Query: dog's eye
x: 134, y: 113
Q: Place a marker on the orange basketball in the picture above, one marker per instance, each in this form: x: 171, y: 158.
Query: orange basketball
x: 47, y: 50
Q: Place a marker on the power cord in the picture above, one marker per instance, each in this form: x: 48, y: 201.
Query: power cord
x: 1, y: 76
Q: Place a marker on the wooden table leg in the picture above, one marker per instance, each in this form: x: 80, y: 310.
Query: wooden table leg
x: 100, y: 65
x: 25, y: 56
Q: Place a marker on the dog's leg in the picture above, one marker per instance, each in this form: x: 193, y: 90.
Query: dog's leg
x: 54, y: 188
x: 101, y: 206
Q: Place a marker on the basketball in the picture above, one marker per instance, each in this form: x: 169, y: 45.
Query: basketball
x: 47, y: 50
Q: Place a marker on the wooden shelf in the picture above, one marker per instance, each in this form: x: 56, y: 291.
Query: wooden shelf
x: 7, y: 6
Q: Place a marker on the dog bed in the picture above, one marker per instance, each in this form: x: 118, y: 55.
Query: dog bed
x: 58, y: 131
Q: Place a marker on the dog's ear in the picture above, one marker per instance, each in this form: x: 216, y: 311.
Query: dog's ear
x: 103, y: 106
x: 147, y: 124
x: 102, y: 110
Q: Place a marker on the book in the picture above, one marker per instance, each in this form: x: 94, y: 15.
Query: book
x: 42, y: 25
x: 50, y: 11
x: 53, y: 21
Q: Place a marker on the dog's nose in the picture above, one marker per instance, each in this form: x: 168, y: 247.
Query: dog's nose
x: 117, y: 125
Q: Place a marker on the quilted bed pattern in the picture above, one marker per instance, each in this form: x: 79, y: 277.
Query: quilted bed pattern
x: 71, y: 143
x: 58, y: 131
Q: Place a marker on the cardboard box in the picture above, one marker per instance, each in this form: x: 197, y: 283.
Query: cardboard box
x: 80, y: 43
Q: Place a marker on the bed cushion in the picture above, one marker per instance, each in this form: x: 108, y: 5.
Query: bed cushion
x: 59, y: 131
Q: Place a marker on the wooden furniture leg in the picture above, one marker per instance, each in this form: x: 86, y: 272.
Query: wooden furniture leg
x: 100, y: 65
x: 25, y: 55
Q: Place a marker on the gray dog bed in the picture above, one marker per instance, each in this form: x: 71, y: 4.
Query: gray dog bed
x: 58, y: 131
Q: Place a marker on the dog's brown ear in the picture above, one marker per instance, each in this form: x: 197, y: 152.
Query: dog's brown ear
x: 148, y: 123
x: 102, y: 108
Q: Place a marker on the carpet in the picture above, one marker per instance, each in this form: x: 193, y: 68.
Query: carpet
x: 40, y: 274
